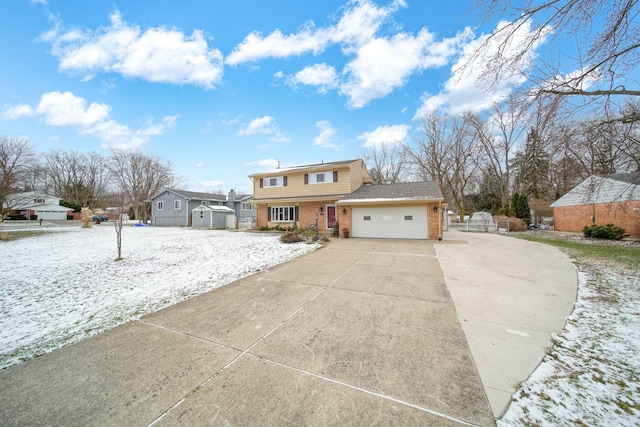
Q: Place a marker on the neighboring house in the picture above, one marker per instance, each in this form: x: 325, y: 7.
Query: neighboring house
x: 340, y: 192
x: 607, y: 199
x: 36, y: 205
x: 175, y: 207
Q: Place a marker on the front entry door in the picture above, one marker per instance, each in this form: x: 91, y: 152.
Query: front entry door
x: 331, y: 217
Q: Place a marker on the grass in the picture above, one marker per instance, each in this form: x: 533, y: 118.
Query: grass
x: 590, y: 250
x: 25, y: 234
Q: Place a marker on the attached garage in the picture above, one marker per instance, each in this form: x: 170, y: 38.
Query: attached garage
x: 411, y: 210
x: 397, y: 222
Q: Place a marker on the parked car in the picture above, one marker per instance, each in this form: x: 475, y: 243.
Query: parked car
x: 99, y: 218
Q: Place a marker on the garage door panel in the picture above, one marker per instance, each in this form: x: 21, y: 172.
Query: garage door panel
x: 407, y: 222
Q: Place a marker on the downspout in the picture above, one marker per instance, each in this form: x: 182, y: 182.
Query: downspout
x: 440, y: 220
x: 186, y: 208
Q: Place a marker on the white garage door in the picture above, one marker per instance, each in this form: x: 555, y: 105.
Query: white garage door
x: 408, y: 222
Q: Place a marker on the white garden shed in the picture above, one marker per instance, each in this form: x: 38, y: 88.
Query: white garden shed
x: 213, y: 217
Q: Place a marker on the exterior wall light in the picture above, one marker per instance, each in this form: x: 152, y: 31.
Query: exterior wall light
x: 435, y: 209
x: 344, y: 211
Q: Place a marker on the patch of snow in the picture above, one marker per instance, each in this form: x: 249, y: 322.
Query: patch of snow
x: 63, y: 286
x: 591, y: 376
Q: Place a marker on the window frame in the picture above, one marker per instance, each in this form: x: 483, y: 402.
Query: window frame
x: 283, y: 213
x: 177, y: 205
x: 160, y: 205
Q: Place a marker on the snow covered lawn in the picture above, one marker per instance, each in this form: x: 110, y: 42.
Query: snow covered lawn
x: 591, y: 376
x: 63, y: 286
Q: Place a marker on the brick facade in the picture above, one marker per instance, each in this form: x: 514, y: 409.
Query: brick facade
x: 621, y: 214
x: 435, y: 222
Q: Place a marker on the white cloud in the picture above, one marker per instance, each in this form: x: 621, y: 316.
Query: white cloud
x: 265, y: 125
x: 261, y: 125
x: 321, y: 75
x: 200, y: 165
x: 17, y: 112
x: 211, y: 183
x: 389, y: 135
x: 155, y: 54
x: 268, y: 163
x: 379, y: 65
x: 464, y: 90
x: 384, y: 64
x: 327, y: 136
x: 64, y: 109
x: 359, y: 22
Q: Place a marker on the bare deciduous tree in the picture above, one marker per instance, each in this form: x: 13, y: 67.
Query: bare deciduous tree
x: 498, y: 138
x: 79, y: 178
x: 140, y: 177
x: 446, y: 152
x: 607, y: 38
x: 387, y: 163
x: 16, y: 160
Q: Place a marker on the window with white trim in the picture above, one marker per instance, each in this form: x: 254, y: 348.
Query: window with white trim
x: 283, y: 213
x: 160, y: 205
x: 247, y: 206
x: 320, y: 178
x: 177, y: 204
x: 277, y: 181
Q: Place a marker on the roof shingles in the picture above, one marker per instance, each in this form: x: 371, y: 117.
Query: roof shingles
x: 407, y: 190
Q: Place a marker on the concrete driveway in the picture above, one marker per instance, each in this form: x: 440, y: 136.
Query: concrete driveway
x: 359, y: 332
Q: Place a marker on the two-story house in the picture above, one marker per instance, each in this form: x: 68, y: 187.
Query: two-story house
x: 36, y: 205
x: 342, y: 192
x: 173, y: 207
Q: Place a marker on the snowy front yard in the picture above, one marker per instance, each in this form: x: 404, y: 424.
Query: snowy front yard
x: 60, y: 287
x: 591, y: 376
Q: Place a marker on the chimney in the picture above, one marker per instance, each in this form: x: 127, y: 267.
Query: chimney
x: 232, y: 196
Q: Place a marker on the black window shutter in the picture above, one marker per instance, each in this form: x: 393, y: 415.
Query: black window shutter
x: 261, y: 183
x: 284, y: 181
x: 268, y: 212
x: 335, y: 176
x: 306, y: 178
x: 297, y: 218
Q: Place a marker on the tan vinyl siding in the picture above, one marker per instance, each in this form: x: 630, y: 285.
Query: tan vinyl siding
x: 359, y: 175
x: 296, y: 186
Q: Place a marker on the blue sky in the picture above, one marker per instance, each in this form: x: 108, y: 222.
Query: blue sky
x: 225, y: 89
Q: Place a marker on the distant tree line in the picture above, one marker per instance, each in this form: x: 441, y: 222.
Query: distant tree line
x: 517, y: 153
x: 124, y: 179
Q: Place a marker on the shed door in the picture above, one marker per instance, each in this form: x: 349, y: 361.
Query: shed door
x: 404, y: 222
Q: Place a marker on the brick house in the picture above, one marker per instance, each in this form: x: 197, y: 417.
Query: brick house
x: 607, y: 199
x: 342, y: 192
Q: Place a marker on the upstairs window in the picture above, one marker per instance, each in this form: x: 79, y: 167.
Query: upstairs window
x: 321, y: 177
x: 38, y: 200
x: 277, y: 181
x: 160, y: 205
x: 177, y: 204
x: 247, y: 206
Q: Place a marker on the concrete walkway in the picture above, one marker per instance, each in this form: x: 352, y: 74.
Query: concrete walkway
x: 360, y: 332
x: 510, y: 295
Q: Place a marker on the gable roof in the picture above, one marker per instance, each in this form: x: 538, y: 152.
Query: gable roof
x: 199, y: 196
x: 617, y: 187
x: 194, y: 195
x: 316, y: 166
x: 214, y: 209
x: 428, y: 190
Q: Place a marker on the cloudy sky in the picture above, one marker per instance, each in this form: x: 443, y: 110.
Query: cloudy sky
x: 229, y: 88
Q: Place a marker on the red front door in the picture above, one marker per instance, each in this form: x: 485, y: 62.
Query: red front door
x: 331, y: 217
